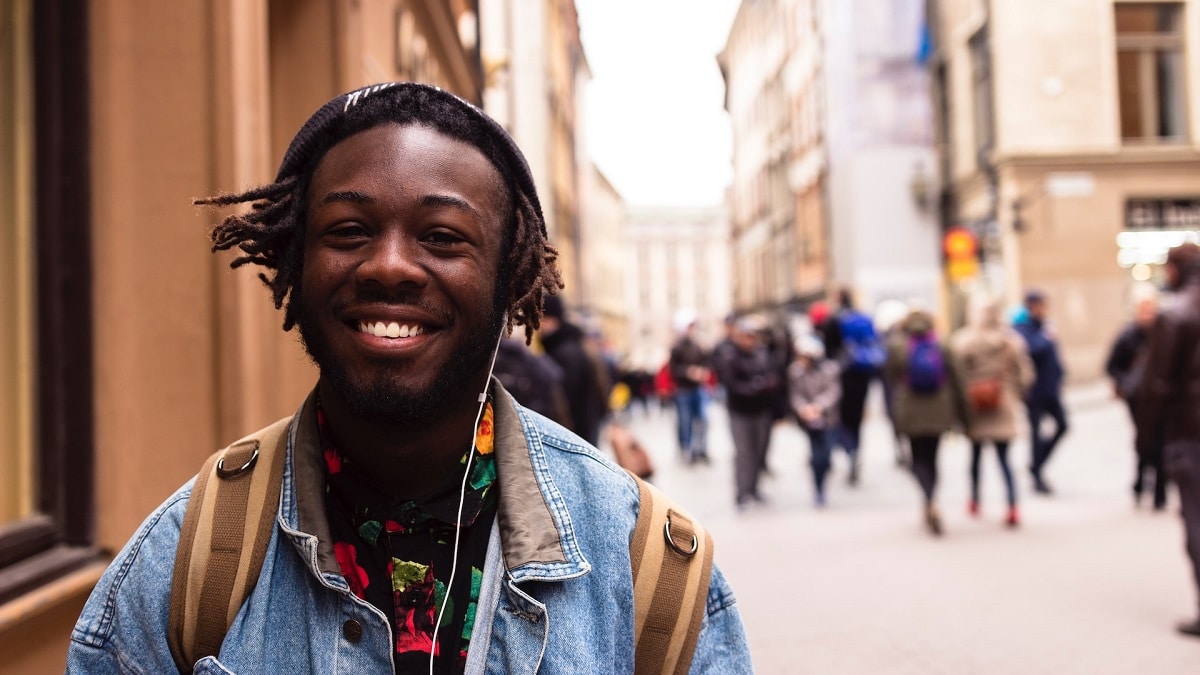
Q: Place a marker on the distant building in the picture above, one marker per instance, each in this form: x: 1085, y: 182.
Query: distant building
x: 1070, y: 141
x: 678, y: 264
x: 833, y: 164
x: 607, y: 267
x: 535, y: 73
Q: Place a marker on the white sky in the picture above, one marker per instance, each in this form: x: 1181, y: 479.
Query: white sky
x: 655, y: 121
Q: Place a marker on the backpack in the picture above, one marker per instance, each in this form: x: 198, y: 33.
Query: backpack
x: 860, y: 343
x: 217, y: 565
x: 926, y: 365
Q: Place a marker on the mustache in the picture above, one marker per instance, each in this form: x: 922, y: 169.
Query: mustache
x: 383, y: 296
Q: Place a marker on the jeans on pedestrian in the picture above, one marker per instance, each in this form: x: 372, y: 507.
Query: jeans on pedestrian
x: 924, y: 463
x: 1182, y: 460
x: 1001, y: 455
x: 692, y: 422
x: 1041, y: 447
x: 751, y: 435
x: 820, y: 442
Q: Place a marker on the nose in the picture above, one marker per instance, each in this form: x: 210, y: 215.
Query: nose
x: 393, y: 260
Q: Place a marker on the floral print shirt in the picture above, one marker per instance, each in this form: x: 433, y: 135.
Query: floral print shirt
x: 398, y: 555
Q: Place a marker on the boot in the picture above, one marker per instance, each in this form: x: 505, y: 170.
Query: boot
x: 933, y: 520
x: 1013, y: 518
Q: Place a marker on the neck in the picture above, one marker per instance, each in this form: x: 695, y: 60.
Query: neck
x: 406, y: 458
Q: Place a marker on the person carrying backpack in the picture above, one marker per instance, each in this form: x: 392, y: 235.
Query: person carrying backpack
x: 927, y: 400
x: 851, y: 338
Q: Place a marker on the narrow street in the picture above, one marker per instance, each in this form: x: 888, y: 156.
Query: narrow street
x: 1087, y: 583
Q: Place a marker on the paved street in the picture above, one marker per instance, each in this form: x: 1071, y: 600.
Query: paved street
x: 1087, y: 584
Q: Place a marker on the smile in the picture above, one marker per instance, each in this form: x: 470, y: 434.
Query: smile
x: 391, y: 329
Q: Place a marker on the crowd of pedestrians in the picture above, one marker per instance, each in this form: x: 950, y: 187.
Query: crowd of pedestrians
x: 999, y: 373
x: 979, y: 381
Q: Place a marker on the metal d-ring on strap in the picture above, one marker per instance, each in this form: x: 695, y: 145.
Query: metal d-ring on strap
x: 677, y: 547
x: 222, y: 472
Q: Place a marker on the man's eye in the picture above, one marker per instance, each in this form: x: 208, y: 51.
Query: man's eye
x: 347, y: 231
x: 443, y: 238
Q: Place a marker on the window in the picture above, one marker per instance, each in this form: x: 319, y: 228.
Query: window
x: 45, y: 294
x: 1150, y: 78
x: 981, y: 95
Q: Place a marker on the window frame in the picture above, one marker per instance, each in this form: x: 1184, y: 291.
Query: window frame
x: 1146, y: 46
x: 60, y: 536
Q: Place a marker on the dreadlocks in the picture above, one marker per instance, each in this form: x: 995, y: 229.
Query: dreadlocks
x: 271, y: 233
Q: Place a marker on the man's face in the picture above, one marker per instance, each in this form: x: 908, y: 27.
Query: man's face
x: 398, y: 302
x: 1037, y: 309
x: 746, y: 339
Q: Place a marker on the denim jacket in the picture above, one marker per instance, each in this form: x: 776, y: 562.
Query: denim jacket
x: 557, y: 594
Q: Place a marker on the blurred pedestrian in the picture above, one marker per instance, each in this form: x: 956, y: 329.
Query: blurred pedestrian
x: 535, y: 380
x: 584, y: 375
x: 751, y: 383
x: 994, y: 372
x: 888, y: 315
x: 1045, y: 396
x: 689, y: 366
x: 1125, y: 366
x: 814, y: 389
x: 850, y: 337
x: 927, y: 401
x: 1168, y: 399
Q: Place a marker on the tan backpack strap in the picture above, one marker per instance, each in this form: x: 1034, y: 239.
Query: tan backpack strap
x: 223, y: 541
x: 671, y: 556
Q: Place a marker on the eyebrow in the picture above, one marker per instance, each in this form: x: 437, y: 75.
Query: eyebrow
x: 448, y: 201
x: 346, y: 196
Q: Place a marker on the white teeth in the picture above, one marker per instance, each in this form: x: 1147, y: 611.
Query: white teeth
x: 391, y: 329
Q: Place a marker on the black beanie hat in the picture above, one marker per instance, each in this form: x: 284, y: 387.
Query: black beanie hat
x: 337, y: 120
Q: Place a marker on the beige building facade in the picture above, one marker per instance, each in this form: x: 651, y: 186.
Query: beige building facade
x: 678, y: 266
x: 535, y: 75
x: 128, y: 352
x: 1070, y: 145
x: 608, y: 266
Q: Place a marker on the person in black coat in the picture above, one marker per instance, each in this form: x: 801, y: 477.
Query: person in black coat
x: 1124, y: 366
x: 535, y: 380
x: 752, y: 386
x: 584, y: 375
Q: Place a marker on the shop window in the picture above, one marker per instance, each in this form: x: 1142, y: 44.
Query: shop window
x: 1150, y: 77
x: 45, y: 303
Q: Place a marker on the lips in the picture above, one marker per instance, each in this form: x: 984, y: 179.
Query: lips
x: 390, y: 329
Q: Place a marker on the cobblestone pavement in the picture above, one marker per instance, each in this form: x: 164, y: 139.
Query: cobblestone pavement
x: 1087, y: 584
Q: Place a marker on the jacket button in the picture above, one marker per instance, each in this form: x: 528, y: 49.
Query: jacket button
x: 352, y: 630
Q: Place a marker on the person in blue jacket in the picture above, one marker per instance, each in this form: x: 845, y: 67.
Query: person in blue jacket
x: 1044, y: 398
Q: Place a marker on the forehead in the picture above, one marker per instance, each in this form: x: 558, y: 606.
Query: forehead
x: 410, y: 158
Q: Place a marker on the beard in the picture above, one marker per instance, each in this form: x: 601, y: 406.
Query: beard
x: 378, y: 397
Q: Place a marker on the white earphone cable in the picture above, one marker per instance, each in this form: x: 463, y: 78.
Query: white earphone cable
x: 462, y: 495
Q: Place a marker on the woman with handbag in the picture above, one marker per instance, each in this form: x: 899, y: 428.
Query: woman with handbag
x: 994, y: 370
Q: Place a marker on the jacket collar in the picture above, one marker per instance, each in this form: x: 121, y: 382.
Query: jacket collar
x: 536, y: 534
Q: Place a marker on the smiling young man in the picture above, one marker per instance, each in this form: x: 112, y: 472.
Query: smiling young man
x: 426, y: 522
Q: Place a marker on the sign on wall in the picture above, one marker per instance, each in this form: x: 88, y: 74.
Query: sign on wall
x: 1162, y: 214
